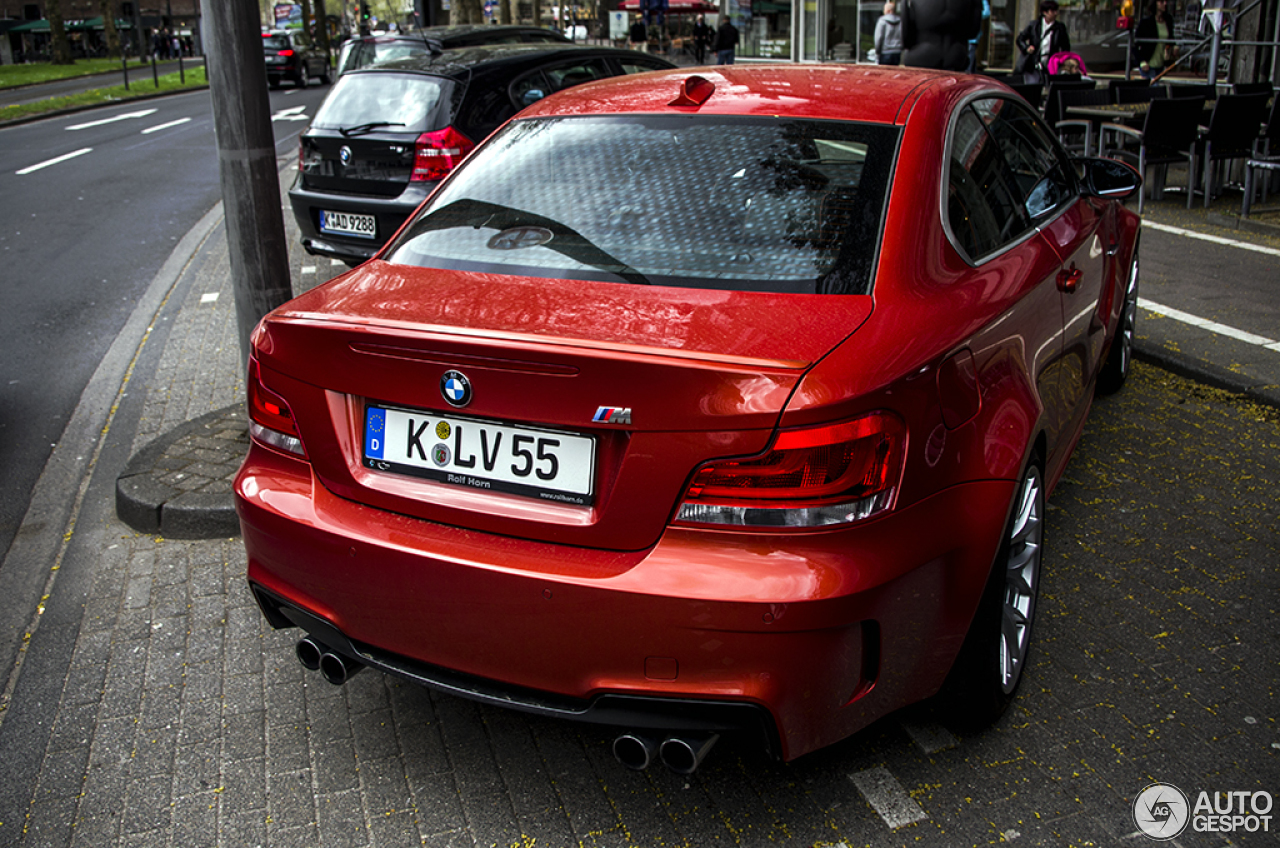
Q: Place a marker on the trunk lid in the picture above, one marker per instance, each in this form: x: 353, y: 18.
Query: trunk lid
x: 702, y: 373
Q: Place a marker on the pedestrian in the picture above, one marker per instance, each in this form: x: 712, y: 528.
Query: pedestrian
x: 1037, y: 43
x: 726, y: 43
x: 639, y: 35
x: 936, y: 33
x: 888, y: 37
x: 701, y: 39
x: 973, y: 42
x: 1153, y: 45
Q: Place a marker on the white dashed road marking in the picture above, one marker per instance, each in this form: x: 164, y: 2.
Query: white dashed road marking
x: 46, y: 163
x: 1211, y: 326
x: 887, y: 796
x: 125, y: 117
x: 159, y: 127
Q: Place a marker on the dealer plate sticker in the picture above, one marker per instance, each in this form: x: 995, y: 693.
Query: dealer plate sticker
x: 545, y: 464
x: 348, y: 224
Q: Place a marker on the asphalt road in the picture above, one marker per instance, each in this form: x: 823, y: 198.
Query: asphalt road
x: 93, y: 204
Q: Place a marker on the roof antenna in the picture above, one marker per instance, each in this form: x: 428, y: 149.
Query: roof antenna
x: 694, y: 92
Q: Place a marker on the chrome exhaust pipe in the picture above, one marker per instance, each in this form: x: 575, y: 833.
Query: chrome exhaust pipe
x: 309, y: 652
x: 634, y: 751
x: 683, y: 754
x: 338, y: 669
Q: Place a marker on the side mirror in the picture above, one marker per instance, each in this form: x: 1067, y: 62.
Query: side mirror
x: 1108, y: 178
x: 532, y: 96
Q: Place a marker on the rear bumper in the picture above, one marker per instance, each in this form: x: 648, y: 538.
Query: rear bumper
x: 802, y: 639
x: 390, y: 213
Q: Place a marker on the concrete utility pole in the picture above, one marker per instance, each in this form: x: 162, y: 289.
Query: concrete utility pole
x: 247, y: 163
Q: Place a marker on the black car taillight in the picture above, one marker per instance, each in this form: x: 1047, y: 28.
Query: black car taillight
x: 270, y: 419
x: 437, y: 153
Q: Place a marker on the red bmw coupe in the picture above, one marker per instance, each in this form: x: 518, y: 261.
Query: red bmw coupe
x: 694, y: 404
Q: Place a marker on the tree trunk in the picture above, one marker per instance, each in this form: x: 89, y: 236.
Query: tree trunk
x: 59, y: 46
x: 468, y: 12
x: 306, y: 22
x: 322, y: 27
x: 109, y: 32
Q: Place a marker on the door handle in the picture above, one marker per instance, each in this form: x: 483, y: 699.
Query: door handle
x: 1069, y: 279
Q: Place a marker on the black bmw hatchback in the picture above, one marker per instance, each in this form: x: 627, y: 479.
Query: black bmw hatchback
x: 387, y: 134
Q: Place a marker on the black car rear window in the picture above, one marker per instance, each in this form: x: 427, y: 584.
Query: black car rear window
x: 759, y: 204
x: 275, y: 42
x: 396, y: 102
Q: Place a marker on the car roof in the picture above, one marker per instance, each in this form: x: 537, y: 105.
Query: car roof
x: 445, y: 34
x: 867, y: 93
x: 462, y: 60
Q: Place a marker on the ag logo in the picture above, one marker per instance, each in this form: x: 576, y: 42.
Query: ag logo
x: 1161, y: 811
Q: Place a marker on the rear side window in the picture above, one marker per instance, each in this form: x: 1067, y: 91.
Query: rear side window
x: 640, y: 66
x: 762, y: 204
x: 1043, y: 181
x: 983, y: 211
x: 385, y: 101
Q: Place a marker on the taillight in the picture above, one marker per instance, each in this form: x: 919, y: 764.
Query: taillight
x: 437, y: 153
x: 286, y: 53
x: 270, y: 419
x: 811, y: 477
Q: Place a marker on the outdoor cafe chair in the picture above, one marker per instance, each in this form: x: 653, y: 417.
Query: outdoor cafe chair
x: 1266, y: 158
x: 1208, y: 92
x: 1140, y: 86
x: 1031, y: 92
x: 1253, y: 88
x: 1168, y: 136
x: 1233, y: 131
x: 1076, y: 134
x: 1052, y: 103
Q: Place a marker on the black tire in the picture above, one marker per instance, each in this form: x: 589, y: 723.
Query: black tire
x: 991, y: 662
x: 326, y: 75
x: 304, y: 76
x: 1116, y: 369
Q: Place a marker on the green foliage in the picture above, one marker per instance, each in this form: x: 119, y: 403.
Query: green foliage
x: 140, y: 85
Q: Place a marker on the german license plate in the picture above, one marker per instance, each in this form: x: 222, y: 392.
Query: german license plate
x: 348, y: 224
x: 545, y: 464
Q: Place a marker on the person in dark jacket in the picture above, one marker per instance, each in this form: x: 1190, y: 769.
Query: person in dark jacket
x: 701, y: 39
x: 1153, y: 45
x: 639, y: 35
x: 936, y: 33
x: 1041, y: 38
x: 726, y: 41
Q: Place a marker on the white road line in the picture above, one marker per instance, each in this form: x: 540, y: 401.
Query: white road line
x: 209, y: 297
x: 887, y: 796
x: 159, y: 127
x: 1211, y: 326
x: 1178, y: 231
x: 46, y: 163
x: 128, y: 115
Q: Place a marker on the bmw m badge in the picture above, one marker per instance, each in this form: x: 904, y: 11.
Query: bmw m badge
x: 612, y: 415
x: 455, y: 388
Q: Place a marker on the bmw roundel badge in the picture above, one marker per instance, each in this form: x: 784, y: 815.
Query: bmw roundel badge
x: 344, y: 154
x: 456, y: 388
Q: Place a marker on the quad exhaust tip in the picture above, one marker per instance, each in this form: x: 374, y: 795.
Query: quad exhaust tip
x: 681, y: 754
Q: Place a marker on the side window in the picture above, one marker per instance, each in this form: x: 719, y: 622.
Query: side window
x: 530, y: 88
x: 1043, y: 179
x: 639, y: 66
x: 576, y: 73
x: 984, y: 210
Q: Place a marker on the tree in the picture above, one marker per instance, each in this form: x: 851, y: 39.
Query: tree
x: 306, y: 22
x: 109, y: 30
x: 59, y: 45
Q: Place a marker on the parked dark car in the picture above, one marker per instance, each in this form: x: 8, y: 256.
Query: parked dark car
x: 388, y: 133
x: 362, y: 52
x: 288, y: 58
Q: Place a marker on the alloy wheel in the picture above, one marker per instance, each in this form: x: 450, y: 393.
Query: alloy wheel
x: 1022, y: 578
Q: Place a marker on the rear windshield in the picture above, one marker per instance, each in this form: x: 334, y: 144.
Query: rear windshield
x: 275, y: 42
x: 383, y: 102
x: 385, y: 51
x: 753, y: 204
